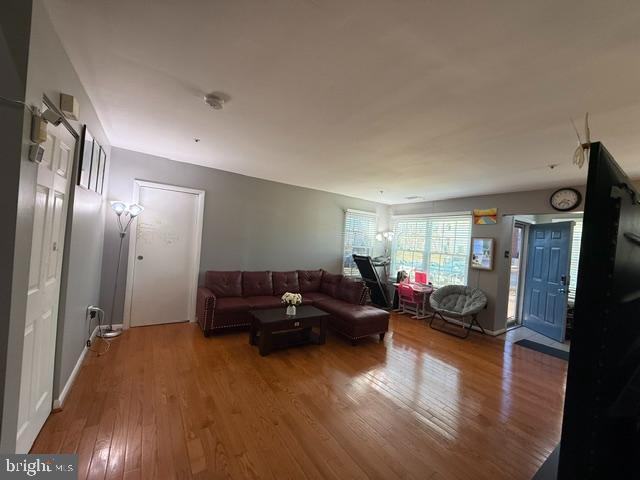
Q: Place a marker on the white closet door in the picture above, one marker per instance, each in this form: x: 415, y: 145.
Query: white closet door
x: 51, y: 199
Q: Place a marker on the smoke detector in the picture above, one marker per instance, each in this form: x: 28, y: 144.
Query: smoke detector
x: 214, y: 100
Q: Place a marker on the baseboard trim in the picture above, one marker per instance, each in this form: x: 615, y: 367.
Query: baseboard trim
x: 59, y: 402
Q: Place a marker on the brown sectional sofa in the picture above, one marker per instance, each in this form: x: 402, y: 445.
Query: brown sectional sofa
x: 226, y: 298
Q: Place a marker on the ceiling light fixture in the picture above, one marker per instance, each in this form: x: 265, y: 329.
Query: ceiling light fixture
x: 384, y: 236
x: 214, y: 100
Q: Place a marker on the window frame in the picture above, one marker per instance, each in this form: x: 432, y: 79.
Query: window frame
x: 349, y: 269
x: 427, y: 225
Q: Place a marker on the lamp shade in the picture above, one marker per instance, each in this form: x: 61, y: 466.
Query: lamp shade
x: 135, y: 209
x: 119, y: 207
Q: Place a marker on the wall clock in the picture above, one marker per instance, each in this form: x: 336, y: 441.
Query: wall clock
x: 565, y: 199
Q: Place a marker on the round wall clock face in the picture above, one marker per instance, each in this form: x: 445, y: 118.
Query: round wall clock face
x: 565, y: 199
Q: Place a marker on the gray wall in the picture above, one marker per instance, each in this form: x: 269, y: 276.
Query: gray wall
x: 50, y: 72
x: 247, y: 223
x: 15, y: 24
x: 494, y: 283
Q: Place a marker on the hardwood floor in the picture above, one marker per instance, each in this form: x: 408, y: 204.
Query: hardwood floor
x: 165, y: 402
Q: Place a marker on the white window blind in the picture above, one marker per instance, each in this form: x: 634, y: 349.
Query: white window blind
x: 408, y: 250
x: 359, y: 236
x: 439, y: 245
x: 575, y: 255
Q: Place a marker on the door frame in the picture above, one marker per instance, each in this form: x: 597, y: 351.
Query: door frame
x: 64, y: 272
x: 524, y: 250
x: 193, y: 287
x: 66, y: 250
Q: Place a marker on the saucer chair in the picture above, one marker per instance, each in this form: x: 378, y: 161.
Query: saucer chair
x: 458, y: 302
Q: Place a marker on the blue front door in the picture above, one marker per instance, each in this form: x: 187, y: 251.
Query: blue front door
x: 546, y: 285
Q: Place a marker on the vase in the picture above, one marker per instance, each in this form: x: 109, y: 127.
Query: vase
x: 291, y: 310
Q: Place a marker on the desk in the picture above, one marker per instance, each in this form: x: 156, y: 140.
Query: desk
x: 425, y: 290
x: 419, y: 287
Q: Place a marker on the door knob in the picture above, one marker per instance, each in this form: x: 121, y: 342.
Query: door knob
x: 140, y: 257
x: 561, y: 290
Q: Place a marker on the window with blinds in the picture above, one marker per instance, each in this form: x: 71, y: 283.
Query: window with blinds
x: 359, y: 236
x: 439, y: 245
x: 575, y: 255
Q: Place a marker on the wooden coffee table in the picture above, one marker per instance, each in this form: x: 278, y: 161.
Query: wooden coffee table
x: 272, y: 328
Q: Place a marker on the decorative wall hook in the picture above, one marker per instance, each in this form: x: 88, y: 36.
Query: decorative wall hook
x: 581, y: 154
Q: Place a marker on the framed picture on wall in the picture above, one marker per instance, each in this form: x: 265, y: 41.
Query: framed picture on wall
x: 84, y: 171
x: 95, y: 166
x: 103, y: 162
x: 482, y: 253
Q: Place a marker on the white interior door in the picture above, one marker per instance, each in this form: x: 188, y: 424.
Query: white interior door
x: 166, y: 246
x: 36, y: 381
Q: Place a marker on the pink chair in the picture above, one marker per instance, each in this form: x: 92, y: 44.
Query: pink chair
x: 421, y: 277
x: 411, y: 301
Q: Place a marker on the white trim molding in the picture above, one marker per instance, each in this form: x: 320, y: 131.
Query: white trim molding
x: 58, y: 403
x: 362, y: 212
x: 492, y: 333
x: 439, y: 214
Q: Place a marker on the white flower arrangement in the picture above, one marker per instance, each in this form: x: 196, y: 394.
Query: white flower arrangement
x: 292, y: 298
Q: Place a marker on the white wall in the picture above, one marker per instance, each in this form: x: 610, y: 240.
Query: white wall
x: 49, y: 73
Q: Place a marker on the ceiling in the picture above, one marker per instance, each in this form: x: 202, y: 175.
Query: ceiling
x: 434, y: 99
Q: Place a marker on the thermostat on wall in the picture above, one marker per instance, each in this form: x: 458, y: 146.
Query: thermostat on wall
x: 69, y: 106
x: 36, y: 152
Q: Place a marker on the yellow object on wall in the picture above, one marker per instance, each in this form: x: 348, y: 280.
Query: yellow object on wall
x: 488, y: 216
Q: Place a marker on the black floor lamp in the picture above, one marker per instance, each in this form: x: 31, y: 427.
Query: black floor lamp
x: 129, y: 213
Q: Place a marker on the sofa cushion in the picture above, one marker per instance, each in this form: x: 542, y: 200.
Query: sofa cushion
x: 329, y: 284
x: 458, y: 300
x: 309, y: 280
x: 256, y: 284
x: 357, y: 314
x: 284, y: 282
x: 314, y: 298
x: 231, y: 304
x: 264, y: 301
x: 224, y: 284
x: 351, y: 291
x: 350, y: 312
x: 357, y: 321
x: 331, y: 305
